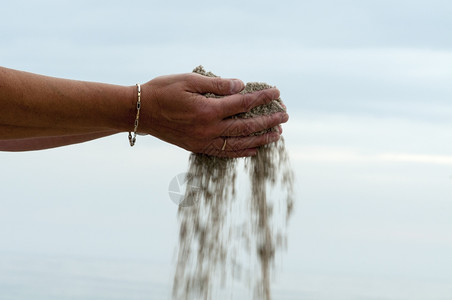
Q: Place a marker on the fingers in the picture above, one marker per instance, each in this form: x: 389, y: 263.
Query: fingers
x: 245, y: 127
x: 239, y: 103
x: 240, y: 146
x: 241, y: 143
x: 215, y: 85
x: 236, y: 153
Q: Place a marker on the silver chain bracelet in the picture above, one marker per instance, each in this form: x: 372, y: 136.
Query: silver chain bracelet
x: 137, y: 118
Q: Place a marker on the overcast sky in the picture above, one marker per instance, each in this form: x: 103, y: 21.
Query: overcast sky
x: 367, y: 85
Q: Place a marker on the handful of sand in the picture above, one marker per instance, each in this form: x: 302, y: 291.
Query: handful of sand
x: 223, y: 240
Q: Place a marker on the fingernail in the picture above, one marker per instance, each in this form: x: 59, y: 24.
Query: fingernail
x: 274, y: 138
x: 284, y: 118
x: 236, y: 86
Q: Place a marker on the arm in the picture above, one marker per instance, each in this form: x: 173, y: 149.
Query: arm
x: 46, y: 142
x: 38, y: 112
x: 35, y: 106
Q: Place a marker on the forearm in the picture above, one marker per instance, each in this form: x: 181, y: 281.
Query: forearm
x: 37, y: 104
x: 9, y: 133
x: 46, y: 142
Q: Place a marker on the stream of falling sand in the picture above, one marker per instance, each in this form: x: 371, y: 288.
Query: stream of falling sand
x: 219, y: 240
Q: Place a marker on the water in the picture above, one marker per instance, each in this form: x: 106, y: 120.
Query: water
x: 79, y: 278
x: 45, y: 277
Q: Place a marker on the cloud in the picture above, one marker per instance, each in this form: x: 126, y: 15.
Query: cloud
x: 364, y: 139
x: 416, y: 158
x: 331, y: 155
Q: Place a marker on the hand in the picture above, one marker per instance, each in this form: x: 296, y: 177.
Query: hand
x: 175, y: 110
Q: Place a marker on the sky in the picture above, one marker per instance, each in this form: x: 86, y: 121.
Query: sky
x: 367, y: 86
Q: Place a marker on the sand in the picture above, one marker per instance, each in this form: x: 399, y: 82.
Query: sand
x: 222, y: 240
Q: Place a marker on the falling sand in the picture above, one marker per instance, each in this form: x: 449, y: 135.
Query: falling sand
x: 223, y: 240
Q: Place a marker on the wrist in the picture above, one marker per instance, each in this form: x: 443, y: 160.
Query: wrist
x: 132, y: 98
x: 125, y: 102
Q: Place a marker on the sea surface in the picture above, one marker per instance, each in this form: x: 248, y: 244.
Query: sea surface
x: 49, y: 277
x: 62, y: 277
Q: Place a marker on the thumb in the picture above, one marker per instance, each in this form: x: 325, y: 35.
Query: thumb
x: 219, y: 86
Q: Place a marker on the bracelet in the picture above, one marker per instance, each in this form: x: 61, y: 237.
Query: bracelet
x: 137, y: 118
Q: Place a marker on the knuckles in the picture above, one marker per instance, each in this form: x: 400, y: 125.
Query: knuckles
x: 251, y: 100
x: 246, y: 128
x: 220, y: 85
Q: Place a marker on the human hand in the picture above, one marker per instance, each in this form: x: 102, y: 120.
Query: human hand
x: 175, y: 110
